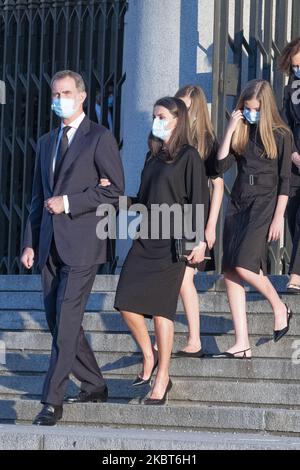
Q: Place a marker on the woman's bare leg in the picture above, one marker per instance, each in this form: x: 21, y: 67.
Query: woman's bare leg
x: 137, y: 325
x: 237, y: 302
x: 190, y: 301
x: 164, y: 331
x: 263, y: 285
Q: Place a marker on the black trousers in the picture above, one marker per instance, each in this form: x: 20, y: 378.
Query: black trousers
x: 66, y: 292
x: 293, y: 216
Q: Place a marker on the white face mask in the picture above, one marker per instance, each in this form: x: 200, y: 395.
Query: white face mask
x: 159, y: 129
x: 64, y: 107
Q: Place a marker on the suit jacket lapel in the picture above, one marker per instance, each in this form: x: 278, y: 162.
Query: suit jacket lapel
x: 50, y: 152
x: 77, y: 144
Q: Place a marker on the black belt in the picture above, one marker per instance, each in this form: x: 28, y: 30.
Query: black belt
x: 262, y: 180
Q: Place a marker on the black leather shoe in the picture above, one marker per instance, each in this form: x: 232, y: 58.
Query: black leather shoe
x: 139, y: 381
x: 159, y: 401
x: 236, y: 355
x: 85, y: 397
x: 196, y: 354
x: 49, y: 415
x: 278, y: 334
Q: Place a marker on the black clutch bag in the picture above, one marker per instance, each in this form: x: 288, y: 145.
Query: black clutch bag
x: 182, y: 251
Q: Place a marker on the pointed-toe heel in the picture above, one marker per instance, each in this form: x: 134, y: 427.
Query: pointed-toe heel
x: 160, y: 401
x: 278, y: 334
x: 139, y: 381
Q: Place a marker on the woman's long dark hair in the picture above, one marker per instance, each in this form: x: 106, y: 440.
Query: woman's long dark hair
x: 180, y: 135
x: 285, y: 60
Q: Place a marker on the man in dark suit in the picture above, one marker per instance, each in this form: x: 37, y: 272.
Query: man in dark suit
x: 61, y: 228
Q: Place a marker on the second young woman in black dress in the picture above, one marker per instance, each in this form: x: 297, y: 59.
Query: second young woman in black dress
x: 290, y: 65
x: 260, y: 142
x: 151, y: 277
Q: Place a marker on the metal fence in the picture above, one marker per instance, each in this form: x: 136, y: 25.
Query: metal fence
x: 249, y: 36
x: 38, y: 38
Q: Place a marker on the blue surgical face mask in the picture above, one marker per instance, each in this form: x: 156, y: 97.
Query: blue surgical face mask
x: 110, y: 101
x: 159, y: 129
x: 251, y: 116
x: 296, y: 71
x: 64, y: 107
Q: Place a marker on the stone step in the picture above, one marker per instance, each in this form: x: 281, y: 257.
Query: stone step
x: 211, y: 323
x: 107, y: 283
x: 262, y: 346
x: 184, y: 390
x: 209, y: 302
x: 187, y: 417
x: 22, y: 437
x: 123, y: 365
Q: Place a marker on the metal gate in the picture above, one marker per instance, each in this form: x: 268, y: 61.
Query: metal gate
x: 38, y: 38
x: 249, y: 36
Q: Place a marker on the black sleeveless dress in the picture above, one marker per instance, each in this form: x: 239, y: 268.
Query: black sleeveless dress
x: 151, y: 277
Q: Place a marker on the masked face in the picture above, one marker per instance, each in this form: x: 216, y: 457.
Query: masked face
x: 64, y: 107
x: 251, y: 116
x: 159, y: 128
x: 296, y: 70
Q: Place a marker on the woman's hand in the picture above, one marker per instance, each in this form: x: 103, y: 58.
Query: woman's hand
x: 296, y: 159
x: 210, y: 236
x: 104, y: 182
x: 198, y: 253
x: 275, y: 229
x: 235, y: 118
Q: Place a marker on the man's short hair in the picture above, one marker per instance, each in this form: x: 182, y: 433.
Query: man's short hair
x: 79, y: 82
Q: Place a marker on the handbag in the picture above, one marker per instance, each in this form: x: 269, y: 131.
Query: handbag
x: 182, y: 251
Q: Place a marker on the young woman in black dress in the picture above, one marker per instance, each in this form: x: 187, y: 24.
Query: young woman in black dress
x: 151, y: 277
x: 290, y: 65
x: 204, y: 140
x: 260, y: 142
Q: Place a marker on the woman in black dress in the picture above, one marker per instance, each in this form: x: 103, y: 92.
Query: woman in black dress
x: 260, y: 142
x: 151, y: 276
x: 204, y: 140
x: 290, y: 65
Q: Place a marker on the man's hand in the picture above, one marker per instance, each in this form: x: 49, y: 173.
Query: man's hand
x: 27, y: 258
x: 55, y: 205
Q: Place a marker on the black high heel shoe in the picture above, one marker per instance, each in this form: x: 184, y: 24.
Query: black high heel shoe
x: 278, y: 334
x: 159, y: 401
x: 228, y: 355
x: 139, y: 381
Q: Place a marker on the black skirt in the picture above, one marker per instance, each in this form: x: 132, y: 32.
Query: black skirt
x: 150, y: 279
x: 246, y: 229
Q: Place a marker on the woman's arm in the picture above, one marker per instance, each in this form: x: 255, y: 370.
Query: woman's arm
x: 215, y: 206
x: 225, y: 158
x: 284, y: 175
x: 278, y: 218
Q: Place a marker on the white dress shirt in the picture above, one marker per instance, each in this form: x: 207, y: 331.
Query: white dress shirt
x: 70, y: 136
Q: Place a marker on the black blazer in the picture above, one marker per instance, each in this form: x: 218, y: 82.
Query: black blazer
x: 93, y: 154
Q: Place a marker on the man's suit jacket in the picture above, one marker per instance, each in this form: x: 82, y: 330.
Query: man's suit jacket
x: 93, y: 154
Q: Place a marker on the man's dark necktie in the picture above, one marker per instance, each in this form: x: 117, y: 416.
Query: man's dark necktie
x: 61, y: 151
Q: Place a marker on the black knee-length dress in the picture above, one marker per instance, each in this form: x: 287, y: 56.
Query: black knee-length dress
x: 253, y: 200
x: 291, y: 115
x: 151, y: 277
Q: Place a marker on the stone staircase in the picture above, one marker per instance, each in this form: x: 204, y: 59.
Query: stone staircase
x: 259, y: 398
